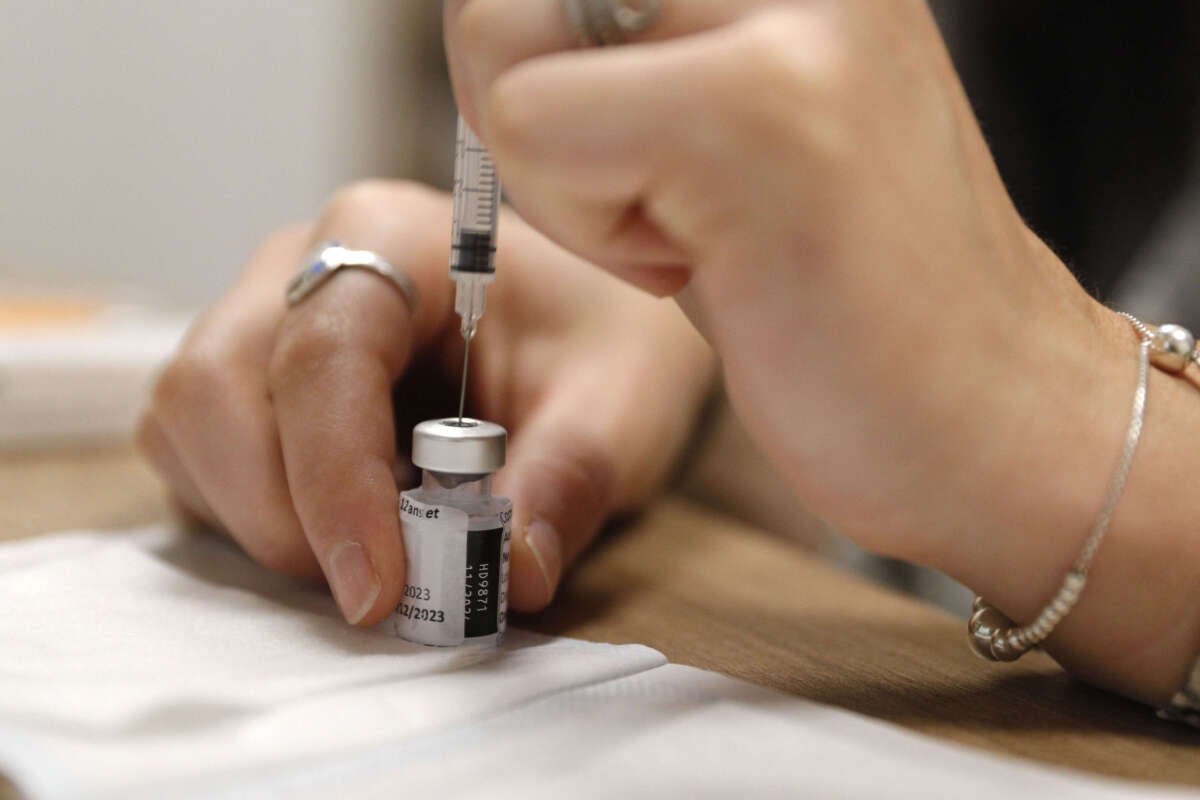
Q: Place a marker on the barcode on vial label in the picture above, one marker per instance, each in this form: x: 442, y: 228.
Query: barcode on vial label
x: 481, y: 606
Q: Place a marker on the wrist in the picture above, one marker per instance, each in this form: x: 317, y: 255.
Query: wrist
x: 1139, y: 632
x: 1133, y: 630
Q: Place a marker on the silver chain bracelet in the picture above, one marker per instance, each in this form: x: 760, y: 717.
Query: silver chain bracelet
x: 995, y: 637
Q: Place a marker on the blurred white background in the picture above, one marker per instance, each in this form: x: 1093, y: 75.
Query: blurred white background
x: 145, y: 147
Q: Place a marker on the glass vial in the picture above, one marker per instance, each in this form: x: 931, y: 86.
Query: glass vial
x: 456, y: 537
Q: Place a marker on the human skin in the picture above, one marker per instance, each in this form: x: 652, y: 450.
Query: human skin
x: 808, y: 180
x: 277, y: 425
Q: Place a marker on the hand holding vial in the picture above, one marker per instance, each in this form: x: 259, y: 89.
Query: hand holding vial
x: 279, y: 428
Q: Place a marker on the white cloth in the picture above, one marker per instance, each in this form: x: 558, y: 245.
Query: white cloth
x: 156, y: 664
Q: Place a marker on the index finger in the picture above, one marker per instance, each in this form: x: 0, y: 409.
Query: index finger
x: 336, y: 357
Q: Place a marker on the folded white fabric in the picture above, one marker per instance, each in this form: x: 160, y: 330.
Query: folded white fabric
x: 157, y: 664
x: 140, y: 664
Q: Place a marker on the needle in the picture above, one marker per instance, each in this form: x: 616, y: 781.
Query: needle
x: 462, y: 394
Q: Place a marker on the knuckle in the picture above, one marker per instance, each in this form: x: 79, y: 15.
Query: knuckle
x: 511, y: 111
x: 357, y: 198
x: 581, y: 473
x: 289, y: 555
x: 195, y: 378
x: 374, y: 204
x: 151, y: 444
x: 303, y: 350
x: 284, y: 239
x: 793, y: 53
x: 480, y: 46
x: 595, y: 474
x: 483, y: 35
x: 472, y: 27
x: 789, y: 84
x: 149, y: 439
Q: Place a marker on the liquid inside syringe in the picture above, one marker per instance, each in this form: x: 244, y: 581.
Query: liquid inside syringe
x: 473, y: 237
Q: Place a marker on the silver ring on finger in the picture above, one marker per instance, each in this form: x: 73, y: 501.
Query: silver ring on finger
x: 328, y: 258
x: 602, y: 23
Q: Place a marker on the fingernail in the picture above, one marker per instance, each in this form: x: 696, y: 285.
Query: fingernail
x: 546, y: 547
x: 355, y: 583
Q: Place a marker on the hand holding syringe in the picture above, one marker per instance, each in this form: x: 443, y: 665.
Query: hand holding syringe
x: 473, y: 246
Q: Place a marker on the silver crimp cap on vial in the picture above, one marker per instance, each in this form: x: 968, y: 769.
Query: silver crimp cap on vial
x: 472, y: 447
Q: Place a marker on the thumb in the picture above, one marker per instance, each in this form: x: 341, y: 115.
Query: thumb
x: 562, y: 481
x: 589, y: 448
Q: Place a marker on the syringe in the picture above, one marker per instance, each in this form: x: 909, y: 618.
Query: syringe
x: 473, y: 246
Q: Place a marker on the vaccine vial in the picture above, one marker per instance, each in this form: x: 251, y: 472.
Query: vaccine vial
x: 456, y: 537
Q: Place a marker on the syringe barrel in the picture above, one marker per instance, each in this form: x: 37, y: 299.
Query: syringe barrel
x: 476, y: 206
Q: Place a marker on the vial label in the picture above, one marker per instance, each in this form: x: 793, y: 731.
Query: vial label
x: 457, y: 578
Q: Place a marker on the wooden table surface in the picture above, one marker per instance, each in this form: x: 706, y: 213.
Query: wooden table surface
x: 714, y: 593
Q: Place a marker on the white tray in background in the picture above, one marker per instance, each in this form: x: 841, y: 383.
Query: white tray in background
x: 82, y: 379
